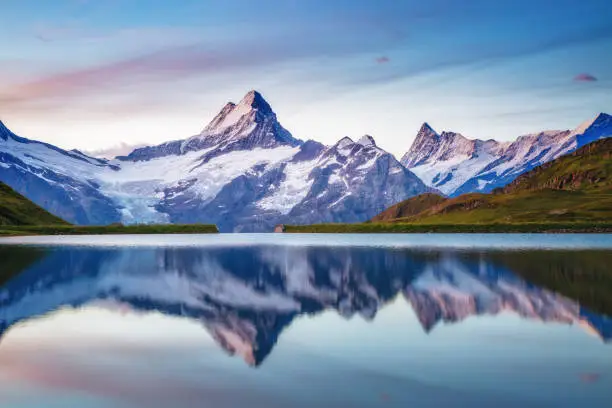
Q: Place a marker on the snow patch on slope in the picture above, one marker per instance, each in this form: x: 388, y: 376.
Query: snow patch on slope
x: 292, y: 190
x: 449, y: 175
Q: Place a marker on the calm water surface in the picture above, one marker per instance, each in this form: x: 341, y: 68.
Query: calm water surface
x: 280, y: 320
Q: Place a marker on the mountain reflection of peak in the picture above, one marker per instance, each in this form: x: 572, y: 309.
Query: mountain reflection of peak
x: 245, y: 297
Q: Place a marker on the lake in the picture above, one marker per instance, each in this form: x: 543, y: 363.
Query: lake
x: 283, y: 320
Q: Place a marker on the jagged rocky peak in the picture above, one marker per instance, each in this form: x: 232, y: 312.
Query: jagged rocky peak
x: 247, y: 125
x: 4, y: 131
x: 252, y: 122
x: 345, y: 142
x: 367, y: 141
x: 603, y: 117
x: 592, y: 130
x: 344, y: 147
x: 252, y: 108
x: 424, y: 144
x: 426, y: 132
x: 256, y: 101
x: 598, y: 120
x: 430, y: 146
x: 455, y: 145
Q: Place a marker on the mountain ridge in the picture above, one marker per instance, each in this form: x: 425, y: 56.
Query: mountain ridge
x: 456, y: 165
x: 243, y: 172
x: 575, y: 187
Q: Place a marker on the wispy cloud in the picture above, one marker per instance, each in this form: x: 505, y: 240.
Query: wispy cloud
x: 90, y: 62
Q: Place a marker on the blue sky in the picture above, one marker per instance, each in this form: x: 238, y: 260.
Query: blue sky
x: 91, y: 74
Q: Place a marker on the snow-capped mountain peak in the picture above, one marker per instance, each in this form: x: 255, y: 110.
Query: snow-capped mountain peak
x: 247, y: 125
x: 423, y: 145
x: 591, y: 130
x: 431, y: 146
x: 253, y: 106
x: 252, y: 122
x: 426, y: 131
x: 344, y: 142
x: 596, y: 121
x: 254, y: 100
x: 367, y: 140
x: 4, y: 132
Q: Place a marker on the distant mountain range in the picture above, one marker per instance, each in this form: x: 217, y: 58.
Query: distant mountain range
x: 245, y: 309
x: 456, y: 165
x: 246, y: 172
x: 576, y: 187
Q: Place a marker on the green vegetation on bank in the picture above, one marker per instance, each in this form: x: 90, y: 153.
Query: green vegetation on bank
x: 410, y: 207
x: 570, y: 194
x: 395, y: 228
x: 15, y: 209
x: 9, y: 230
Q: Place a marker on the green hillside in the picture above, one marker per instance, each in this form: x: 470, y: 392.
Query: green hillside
x: 409, y: 207
x: 571, y: 193
x: 572, y: 188
x: 15, y: 209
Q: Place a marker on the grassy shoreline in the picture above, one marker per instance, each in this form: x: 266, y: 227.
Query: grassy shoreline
x: 22, y: 230
x: 403, y: 228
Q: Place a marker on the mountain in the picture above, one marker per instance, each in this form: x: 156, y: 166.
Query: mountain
x: 247, y: 125
x: 573, y: 188
x: 62, y: 182
x: 15, y: 209
x: 246, y: 297
x: 456, y: 165
x: 243, y: 172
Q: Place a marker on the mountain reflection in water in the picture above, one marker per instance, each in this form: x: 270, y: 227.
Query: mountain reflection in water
x: 246, y: 296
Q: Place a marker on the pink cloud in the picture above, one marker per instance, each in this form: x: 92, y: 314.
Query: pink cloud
x: 163, y: 67
x: 584, y: 77
x: 383, y: 60
x: 590, y: 378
